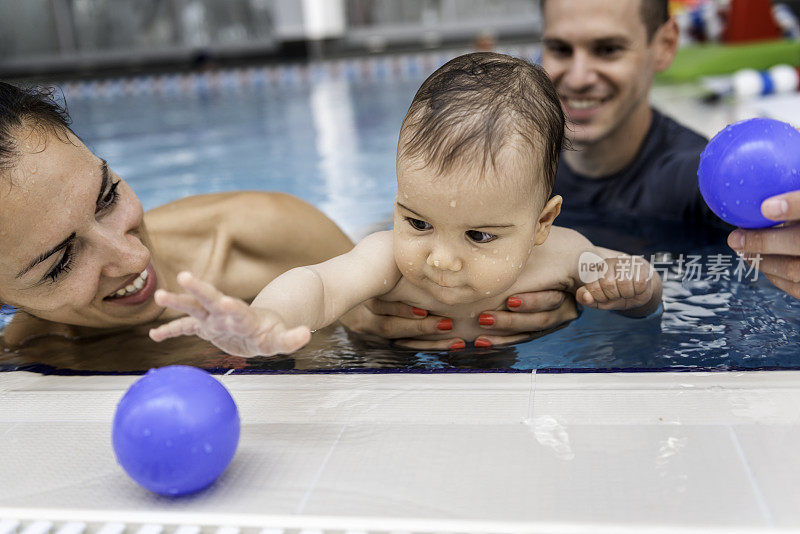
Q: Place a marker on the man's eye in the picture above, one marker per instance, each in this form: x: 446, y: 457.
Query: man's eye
x: 558, y: 50
x: 109, y: 199
x: 418, y: 224
x: 480, y: 237
x: 609, y: 50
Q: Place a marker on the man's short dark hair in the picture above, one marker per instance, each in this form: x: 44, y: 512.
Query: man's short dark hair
x: 475, y: 105
x: 654, y: 14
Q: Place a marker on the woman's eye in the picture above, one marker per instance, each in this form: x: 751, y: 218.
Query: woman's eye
x: 63, y: 266
x: 418, y: 224
x: 480, y: 237
x: 109, y: 199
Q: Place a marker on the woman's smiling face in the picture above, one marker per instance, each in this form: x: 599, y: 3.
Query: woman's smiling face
x: 72, y: 243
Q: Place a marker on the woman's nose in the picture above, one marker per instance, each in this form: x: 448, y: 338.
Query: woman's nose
x: 444, y: 259
x: 123, y: 254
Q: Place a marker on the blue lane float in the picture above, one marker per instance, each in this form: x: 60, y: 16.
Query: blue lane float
x: 745, y: 164
x: 175, y: 430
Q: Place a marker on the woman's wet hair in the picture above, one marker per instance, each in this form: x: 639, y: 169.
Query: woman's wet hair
x: 33, y: 107
x: 477, y: 104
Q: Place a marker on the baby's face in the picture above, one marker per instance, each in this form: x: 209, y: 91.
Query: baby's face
x: 459, y: 237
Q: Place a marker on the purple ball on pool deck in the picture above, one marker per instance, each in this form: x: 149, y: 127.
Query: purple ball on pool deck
x: 175, y: 430
x: 745, y: 164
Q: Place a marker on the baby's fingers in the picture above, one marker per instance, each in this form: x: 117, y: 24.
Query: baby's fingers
x: 608, y: 285
x: 591, y: 294
x: 208, y: 295
x: 642, y: 285
x: 185, y: 326
x: 626, y: 288
x: 183, y: 303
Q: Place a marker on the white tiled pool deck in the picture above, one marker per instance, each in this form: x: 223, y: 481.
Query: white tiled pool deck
x: 482, y: 452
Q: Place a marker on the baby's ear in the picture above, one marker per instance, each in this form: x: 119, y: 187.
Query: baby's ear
x: 546, y: 218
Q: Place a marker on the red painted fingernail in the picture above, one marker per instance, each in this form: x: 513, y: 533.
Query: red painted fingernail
x: 445, y: 324
x: 482, y: 343
x: 485, y: 320
x: 419, y: 312
x: 458, y: 345
x: 514, y: 302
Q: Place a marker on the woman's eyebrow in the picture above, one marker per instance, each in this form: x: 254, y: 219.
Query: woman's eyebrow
x: 104, y: 181
x: 46, y: 255
x: 104, y: 178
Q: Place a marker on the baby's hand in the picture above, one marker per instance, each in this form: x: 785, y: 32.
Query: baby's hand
x: 628, y: 285
x: 227, y: 322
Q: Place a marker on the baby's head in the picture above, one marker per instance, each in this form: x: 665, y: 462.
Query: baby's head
x: 476, y: 162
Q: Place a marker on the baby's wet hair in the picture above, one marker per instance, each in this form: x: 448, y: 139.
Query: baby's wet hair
x: 477, y: 104
x: 33, y: 107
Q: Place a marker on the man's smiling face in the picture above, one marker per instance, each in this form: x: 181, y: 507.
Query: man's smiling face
x: 599, y: 57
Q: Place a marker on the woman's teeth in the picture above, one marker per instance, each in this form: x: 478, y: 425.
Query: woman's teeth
x: 583, y: 104
x: 131, y: 288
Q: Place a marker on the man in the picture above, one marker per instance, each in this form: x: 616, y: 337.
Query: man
x: 626, y: 157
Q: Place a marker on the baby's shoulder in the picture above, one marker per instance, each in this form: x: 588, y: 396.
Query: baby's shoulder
x: 565, y: 242
x: 378, y: 242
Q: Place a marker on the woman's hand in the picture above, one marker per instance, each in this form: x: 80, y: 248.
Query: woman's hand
x: 229, y: 323
x: 400, y: 323
x: 778, y: 248
x: 528, y: 314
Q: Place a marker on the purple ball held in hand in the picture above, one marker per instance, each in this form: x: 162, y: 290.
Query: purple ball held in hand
x: 745, y: 164
x: 175, y: 430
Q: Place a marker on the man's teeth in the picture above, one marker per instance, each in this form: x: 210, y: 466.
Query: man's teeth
x: 583, y: 104
x: 133, y: 287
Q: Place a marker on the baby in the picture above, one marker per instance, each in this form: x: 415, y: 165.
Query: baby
x: 473, y: 224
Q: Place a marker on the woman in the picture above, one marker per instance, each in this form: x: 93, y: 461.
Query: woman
x: 78, y: 254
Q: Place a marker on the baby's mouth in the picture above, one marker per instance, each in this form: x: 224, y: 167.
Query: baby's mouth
x: 131, y: 288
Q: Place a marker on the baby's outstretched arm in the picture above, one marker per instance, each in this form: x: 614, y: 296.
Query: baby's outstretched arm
x: 283, y: 314
x: 626, y: 284
x: 229, y: 323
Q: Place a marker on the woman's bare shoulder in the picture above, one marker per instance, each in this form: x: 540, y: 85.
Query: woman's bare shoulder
x: 213, y: 208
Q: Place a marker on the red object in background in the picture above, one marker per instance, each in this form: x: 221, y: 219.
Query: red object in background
x: 751, y: 20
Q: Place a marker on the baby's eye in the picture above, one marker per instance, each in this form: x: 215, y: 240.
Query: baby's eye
x: 480, y: 237
x: 418, y: 224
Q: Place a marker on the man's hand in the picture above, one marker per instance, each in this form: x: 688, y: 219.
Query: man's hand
x: 229, y: 323
x: 628, y: 285
x: 778, y: 248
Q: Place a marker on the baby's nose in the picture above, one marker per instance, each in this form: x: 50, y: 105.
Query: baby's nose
x: 444, y: 260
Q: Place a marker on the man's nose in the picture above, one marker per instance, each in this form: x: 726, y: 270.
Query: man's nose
x: 444, y: 258
x: 122, y: 253
x: 580, y: 74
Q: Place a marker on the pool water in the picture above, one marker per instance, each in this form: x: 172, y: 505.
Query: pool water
x: 332, y: 143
